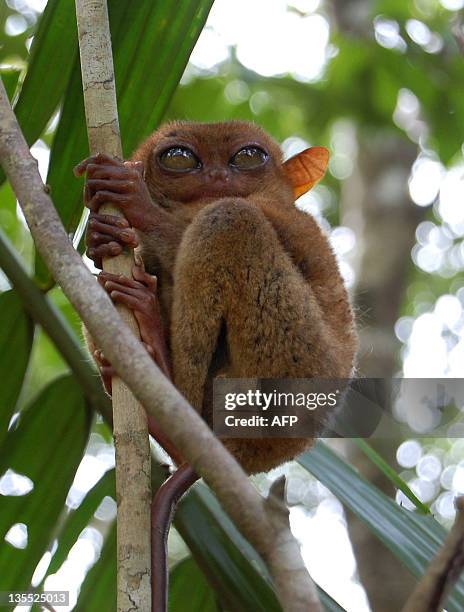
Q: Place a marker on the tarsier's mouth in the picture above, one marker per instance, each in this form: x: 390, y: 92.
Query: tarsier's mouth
x: 207, y: 191
x: 221, y: 189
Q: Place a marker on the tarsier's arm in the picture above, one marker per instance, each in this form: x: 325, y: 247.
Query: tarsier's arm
x: 160, y: 240
x: 128, y: 191
x: 110, y: 180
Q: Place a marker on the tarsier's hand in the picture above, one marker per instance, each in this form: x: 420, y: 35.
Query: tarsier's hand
x: 139, y: 295
x: 120, y: 183
x: 107, y: 236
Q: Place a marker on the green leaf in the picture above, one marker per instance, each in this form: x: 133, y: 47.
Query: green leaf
x: 98, y: 591
x: 12, y: 226
x: 46, y: 446
x: 152, y: 42
x: 412, y: 538
x: 391, y: 474
x: 55, y: 344
x: 165, y: 43
x: 53, y: 51
x: 10, y: 78
x: 230, y: 565
x: 188, y: 589
x: 79, y: 519
x: 16, y: 335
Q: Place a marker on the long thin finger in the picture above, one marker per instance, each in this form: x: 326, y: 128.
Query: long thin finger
x: 103, y: 197
x: 109, y: 220
x: 95, y: 239
x: 106, y: 171
x: 135, y: 165
x: 116, y: 185
x: 138, y: 293
x: 125, y: 299
x: 99, y: 230
x: 121, y: 279
x: 115, y: 285
x: 99, y: 158
x: 104, y: 250
x: 148, y: 280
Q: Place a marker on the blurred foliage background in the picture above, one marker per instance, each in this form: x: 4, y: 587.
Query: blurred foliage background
x: 378, y: 82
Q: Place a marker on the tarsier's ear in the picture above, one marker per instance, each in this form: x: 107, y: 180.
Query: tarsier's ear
x: 306, y: 169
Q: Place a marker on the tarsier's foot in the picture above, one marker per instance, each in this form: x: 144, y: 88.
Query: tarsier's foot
x: 139, y: 295
x: 107, y: 236
x: 105, y: 368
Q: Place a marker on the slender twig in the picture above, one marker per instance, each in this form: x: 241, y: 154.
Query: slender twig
x: 129, y: 421
x: 186, y: 428
x: 295, y: 575
x: 444, y: 570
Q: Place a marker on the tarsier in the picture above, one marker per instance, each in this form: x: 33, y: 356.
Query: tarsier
x: 247, y: 284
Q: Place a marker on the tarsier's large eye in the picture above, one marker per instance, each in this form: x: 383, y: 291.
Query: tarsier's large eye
x: 249, y: 158
x: 180, y: 159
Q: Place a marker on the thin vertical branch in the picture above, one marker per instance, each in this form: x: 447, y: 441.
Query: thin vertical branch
x: 129, y: 420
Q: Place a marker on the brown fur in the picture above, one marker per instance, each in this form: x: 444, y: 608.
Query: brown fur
x: 234, y: 253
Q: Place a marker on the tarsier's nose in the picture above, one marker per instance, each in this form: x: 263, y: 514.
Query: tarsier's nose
x: 218, y: 174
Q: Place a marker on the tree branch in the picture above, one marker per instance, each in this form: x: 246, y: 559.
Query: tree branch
x: 131, y: 361
x: 292, y: 569
x: 129, y: 420
x: 444, y: 570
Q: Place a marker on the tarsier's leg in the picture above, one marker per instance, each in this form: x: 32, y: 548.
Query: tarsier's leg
x: 232, y: 270
x: 139, y: 295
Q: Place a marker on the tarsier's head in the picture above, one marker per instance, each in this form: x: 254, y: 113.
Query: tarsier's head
x: 192, y: 163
